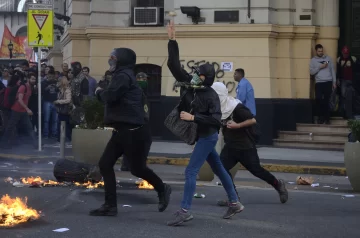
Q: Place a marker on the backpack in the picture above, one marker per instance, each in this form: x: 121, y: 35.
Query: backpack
x: 8, y: 96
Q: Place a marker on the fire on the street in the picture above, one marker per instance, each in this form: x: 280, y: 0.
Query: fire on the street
x: 90, y: 185
x: 14, y: 211
x: 145, y: 185
x: 39, y: 181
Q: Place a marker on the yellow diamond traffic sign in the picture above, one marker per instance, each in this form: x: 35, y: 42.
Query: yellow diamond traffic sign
x: 40, y: 25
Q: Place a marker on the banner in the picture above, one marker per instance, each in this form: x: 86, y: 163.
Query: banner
x: 20, y: 49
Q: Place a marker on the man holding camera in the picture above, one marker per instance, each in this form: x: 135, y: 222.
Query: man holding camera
x: 322, y: 68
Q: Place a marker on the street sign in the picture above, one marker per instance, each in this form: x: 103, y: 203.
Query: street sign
x: 40, y: 25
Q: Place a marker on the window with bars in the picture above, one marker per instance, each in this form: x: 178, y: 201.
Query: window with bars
x: 148, y: 13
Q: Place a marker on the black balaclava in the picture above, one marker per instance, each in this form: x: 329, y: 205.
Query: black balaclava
x: 76, y: 68
x: 125, y: 59
x: 208, y: 71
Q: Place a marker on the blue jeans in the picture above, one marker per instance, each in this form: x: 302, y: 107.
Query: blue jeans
x: 50, y: 113
x: 205, y: 150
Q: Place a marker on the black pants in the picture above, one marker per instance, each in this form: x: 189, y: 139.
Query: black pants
x: 322, y: 94
x: 135, y: 145
x: 347, y: 98
x: 249, y: 159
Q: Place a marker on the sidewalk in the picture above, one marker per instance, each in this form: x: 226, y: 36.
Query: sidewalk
x: 177, y: 153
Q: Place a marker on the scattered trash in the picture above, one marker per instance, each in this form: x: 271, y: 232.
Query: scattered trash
x: 291, y: 182
x: 61, y: 230
x: 198, y: 195
x: 218, y: 183
x: 8, y: 164
x: 304, y: 180
x: 18, y: 184
x: 326, y: 187
x: 348, y: 196
x: 296, y: 188
x: 50, y: 162
x: 336, y: 188
x: 9, y: 180
x: 315, y: 185
x: 347, y: 177
x: 127, y: 205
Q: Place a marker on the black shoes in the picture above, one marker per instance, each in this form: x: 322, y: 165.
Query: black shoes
x: 104, y: 210
x: 164, y: 198
x: 281, y: 189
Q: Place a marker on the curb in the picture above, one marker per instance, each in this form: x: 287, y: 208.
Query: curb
x: 281, y: 168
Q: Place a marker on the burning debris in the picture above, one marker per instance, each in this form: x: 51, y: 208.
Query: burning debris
x: 14, y: 211
x: 37, y: 182
x: 90, y: 185
x: 143, y: 184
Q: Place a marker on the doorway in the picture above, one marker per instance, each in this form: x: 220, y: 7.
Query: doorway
x: 153, y: 95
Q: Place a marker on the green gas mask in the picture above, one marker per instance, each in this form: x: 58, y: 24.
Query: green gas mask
x: 143, y: 84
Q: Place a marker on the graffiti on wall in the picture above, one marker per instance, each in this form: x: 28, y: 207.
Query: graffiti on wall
x: 219, y: 73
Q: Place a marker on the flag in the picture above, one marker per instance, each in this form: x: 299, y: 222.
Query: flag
x: 20, y: 49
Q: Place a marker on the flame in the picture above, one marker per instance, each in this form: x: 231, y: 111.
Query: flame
x: 145, y: 185
x: 40, y: 181
x: 90, y: 184
x: 51, y: 183
x: 31, y: 180
x: 14, y: 211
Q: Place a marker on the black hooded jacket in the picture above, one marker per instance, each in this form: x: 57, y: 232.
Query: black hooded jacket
x: 202, y: 102
x: 123, y: 96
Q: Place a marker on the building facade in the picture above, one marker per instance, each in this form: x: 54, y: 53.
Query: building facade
x: 272, y: 40
x: 13, y: 16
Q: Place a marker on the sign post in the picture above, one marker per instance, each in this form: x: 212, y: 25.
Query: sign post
x: 40, y: 33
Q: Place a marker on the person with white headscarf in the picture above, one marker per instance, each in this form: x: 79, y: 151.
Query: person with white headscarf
x: 237, y: 122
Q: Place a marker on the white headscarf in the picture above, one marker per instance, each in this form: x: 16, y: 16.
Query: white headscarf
x: 227, y: 102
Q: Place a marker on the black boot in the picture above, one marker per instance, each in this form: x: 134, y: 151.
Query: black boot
x: 281, y: 189
x: 164, y: 198
x: 104, y: 210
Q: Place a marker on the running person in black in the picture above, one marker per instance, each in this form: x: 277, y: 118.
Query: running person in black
x: 124, y: 111
x: 239, y: 147
x: 141, y: 79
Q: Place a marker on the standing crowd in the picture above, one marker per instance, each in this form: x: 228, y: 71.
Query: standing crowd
x: 61, y: 93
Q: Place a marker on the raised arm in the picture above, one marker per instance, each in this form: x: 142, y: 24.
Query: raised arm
x: 174, y: 63
x: 174, y: 59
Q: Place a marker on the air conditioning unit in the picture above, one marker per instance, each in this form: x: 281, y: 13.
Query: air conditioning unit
x: 148, y: 16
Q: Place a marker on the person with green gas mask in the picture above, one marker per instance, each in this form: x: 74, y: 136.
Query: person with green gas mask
x: 141, y: 79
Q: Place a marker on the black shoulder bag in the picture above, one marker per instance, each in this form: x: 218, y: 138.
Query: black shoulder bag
x: 185, y: 130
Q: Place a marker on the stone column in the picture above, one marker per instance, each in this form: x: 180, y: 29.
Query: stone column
x: 327, y: 18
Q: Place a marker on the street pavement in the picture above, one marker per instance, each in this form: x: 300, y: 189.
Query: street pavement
x: 268, y: 155
x: 310, y: 212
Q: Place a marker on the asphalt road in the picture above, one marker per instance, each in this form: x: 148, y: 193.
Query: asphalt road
x: 307, y: 213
